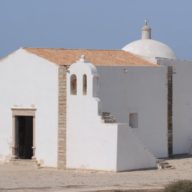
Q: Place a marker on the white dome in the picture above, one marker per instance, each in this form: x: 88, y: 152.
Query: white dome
x: 149, y: 48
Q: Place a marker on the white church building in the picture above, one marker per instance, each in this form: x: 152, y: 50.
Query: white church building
x: 112, y: 110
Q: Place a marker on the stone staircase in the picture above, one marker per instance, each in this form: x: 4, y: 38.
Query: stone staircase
x: 163, y: 164
x: 108, y: 118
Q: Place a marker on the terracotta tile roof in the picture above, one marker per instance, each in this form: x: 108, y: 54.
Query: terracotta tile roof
x: 97, y: 57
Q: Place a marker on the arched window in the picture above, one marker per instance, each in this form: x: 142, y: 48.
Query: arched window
x: 84, y: 84
x: 73, y: 84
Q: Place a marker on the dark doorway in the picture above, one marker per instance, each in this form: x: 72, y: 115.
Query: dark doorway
x: 24, y: 137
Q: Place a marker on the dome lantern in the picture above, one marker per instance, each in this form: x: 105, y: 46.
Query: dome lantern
x: 148, y: 48
x: 146, y: 31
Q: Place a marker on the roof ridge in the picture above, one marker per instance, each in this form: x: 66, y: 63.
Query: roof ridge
x: 73, y: 49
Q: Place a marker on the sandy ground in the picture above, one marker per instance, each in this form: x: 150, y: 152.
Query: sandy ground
x: 30, y: 179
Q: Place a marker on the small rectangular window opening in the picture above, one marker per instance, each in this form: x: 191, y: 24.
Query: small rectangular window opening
x: 133, y: 120
x: 84, y: 84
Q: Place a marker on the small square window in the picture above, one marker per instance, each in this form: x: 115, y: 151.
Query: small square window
x: 133, y: 120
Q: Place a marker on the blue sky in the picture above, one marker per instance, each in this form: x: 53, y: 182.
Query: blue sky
x: 94, y: 24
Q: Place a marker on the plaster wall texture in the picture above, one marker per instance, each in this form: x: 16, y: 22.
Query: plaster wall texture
x: 131, y: 153
x: 90, y: 143
x: 28, y: 81
x: 181, y: 104
x: 141, y: 90
x: 93, y: 144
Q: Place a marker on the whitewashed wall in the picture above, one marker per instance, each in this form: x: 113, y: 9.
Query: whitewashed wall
x: 182, y: 108
x: 30, y: 81
x: 92, y: 144
x: 141, y: 90
x: 182, y: 104
x: 131, y: 152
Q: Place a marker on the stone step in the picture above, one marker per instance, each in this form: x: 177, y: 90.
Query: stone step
x: 109, y: 121
x: 105, y: 114
x: 108, y: 118
x: 24, y: 162
x: 162, y: 164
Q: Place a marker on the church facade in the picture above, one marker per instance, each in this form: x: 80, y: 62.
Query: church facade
x: 111, y: 110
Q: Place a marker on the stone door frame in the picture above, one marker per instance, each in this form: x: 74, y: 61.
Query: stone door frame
x: 22, y: 112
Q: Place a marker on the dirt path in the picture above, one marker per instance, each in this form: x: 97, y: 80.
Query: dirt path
x: 20, y: 178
